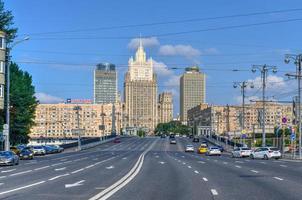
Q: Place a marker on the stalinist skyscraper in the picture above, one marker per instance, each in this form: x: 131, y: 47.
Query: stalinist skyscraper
x: 140, y: 92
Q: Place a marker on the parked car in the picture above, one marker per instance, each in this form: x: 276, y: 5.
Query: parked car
x: 57, y: 148
x: 26, y: 154
x: 117, y: 140
x: 39, y: 150
x: 189, y: 148
x: 163, y: 136
x: 172, y: 141
x: 195, y: 139
x: 266, y: 153
x: 15, y: 150
x: 203, y: 148
x: 213, y: 151
x: 220, y: 148
x: 240, y: 152
x: 8, y: 158
x: 49, y: 149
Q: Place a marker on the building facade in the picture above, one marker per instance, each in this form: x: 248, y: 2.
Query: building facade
x: 2, y: 67
x: 140, y: 92
x: 105, y: 83
x: 226, y: 120
x: 165, y: 107
x: 60, y: 120
x: 192, y: 91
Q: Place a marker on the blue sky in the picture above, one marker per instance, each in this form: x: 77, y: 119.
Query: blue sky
x: 68, y: 38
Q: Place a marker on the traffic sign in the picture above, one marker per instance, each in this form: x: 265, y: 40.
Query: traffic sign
x: 243, y: 136
x: 292, y: 136
x: 5, y: 126
x: 284, y: 120
x: 243, y: 131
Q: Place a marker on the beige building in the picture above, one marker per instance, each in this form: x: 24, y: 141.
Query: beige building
x: 165, y: 107
x: 60, y: 120
x: 140, y: 92
x: 2, y: 68
x: 192, y: 91
x: 208, y: 119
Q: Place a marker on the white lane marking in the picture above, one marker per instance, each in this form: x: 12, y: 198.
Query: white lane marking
x: 89, y: 166
x: 1, y: 183
x: 254, y: 171
x: 189, y: 167
x: 10, y: 170
x: 225, y: 163
x: 110, y: 167
x: 196, y: 172
x: 161, y: 162
x: 205, y: 179
x: 247, y: 160
x: 124, y: 158
x: 100, y: 188
x: 239, y: 162
x: 42, y: 168
x: 53, y: 165
x: 214, y: 192
x: 2, y: 177
x: 15, y: 174
x: 278, y: 178
x: 237, y: 166
x: 76, y: 171
x: 216, y: 160
x: 183, y: 163
x: 95, y: 159
x: 283, y: 166
x: 63, y: 160
x: 201, y: 162
x: 68, y: 161
x: 182, y: 156
x: 60, y: 169
x: 262, y: 162
x: 23, y: 187
x: 79, y: 183
x: 56, y: 177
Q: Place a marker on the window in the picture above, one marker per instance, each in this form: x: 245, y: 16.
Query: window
x: 2, y: 91
x: 2, y: 43
x: 2, y: 66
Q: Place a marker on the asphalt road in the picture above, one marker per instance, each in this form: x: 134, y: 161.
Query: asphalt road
x: 149, y: 168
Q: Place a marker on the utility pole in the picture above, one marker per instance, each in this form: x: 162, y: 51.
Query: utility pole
x: 264, y: 69
x: 242, y: 86
x: 77, y: 109
x: 298, y: 62
x: 103, y: 121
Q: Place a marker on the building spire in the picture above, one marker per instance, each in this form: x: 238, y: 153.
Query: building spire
x: 140, y: 41
x: 140, y: 55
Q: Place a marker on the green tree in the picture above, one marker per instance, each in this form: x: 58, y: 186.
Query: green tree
x: 6, y: 22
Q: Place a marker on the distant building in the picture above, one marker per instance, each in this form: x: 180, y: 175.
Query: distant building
x: 59, y: 120
x: 140, y: 92
x: 105, y: 83
x: 192, y: 91
x: 2, y: 68
x: 165, y: 107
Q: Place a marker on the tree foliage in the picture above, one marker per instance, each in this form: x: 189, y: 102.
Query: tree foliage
x: 6, y: 22
x: 173, y: 126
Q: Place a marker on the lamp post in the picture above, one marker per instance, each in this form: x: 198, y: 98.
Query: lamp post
x: 77, y: 109
x: 298, y: 62
x: 7, y: 63
x: 103, y: 121
x: 264, y: 69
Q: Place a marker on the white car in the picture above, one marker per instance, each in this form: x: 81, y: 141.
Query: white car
x: 241, y: 152
x: 213, y: 151
x: 189, y: 148
x: 266, y: 153
x: 38, y: 150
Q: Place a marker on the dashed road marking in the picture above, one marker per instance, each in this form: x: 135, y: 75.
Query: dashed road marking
x: 56, y: 177
x: 278, y: 178
x: 214, y: 192
x: 23, y: 187
x: 237, y: 166
x: 10, y: 170
x: 283, y: 166
x: 76, y: 171
x: 189, y: 167
x: 201, y: 162
x: 225, y: 163
x: 205, y: 179
x: 60, y: 169
x: 41, y: 168
x: 24, y: 172
x: 196, y: 172
x: 254, y: 171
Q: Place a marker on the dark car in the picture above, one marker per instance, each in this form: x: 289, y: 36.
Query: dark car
x: 172, y: 136
x: 57, y: 148
x: 163, y: 136
x: 26, y: 154
x: 220, y: 148
x: 49, y: 149
x: 8, y: 158
x: 117, y: 140
x: 190, y: 136
x: 195, y: 139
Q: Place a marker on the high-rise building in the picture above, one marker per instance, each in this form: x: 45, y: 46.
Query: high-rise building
x: 192, y: 91
x: 140, y: 92
x: 2, y: 67
x: 105, y: 83
x: 165, y: 107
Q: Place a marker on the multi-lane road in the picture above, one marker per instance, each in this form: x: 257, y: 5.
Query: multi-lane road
x: 149, y: 168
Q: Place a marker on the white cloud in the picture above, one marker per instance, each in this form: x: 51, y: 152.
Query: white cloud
x: 179, y: 50
x: 273, y: 83
x: 161, y: 69
x: 46, y: 98
x: 147, y: 42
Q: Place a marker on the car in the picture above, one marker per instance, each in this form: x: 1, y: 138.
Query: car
x: 189, y: 148
x: 195, y: 139
x: 8, y: 158
x: 203, y: 148
x: 49, y: 149
x: 117, y: 140
x: 266, y: 153
x: 26, y: 154
x: 15, y: 150
x: 163, y: 136
x: 213, y: 151
x: 190, y: 136
x: 184, y: 135
x: 57, y: 148
x: 172, y: 136
x: 39, y: 150
x: 221, y: 148
x: 172, y: 141
x: 240, y: 152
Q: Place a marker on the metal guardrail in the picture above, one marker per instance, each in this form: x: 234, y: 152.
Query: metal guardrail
x: 86, y: 141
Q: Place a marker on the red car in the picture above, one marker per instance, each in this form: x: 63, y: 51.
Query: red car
x: 116, y: 140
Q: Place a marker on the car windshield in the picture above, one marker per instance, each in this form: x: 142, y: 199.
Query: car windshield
x: 244, y: 148
x: 274, y: 149
x: 38, y: 147
x: 190, y: 146
x: 5, y: 153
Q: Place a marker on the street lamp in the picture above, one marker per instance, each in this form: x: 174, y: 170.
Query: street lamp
x: 7, y: 63
x: 77, y: 109
x: 264, y: 69
x: 298, y: 62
